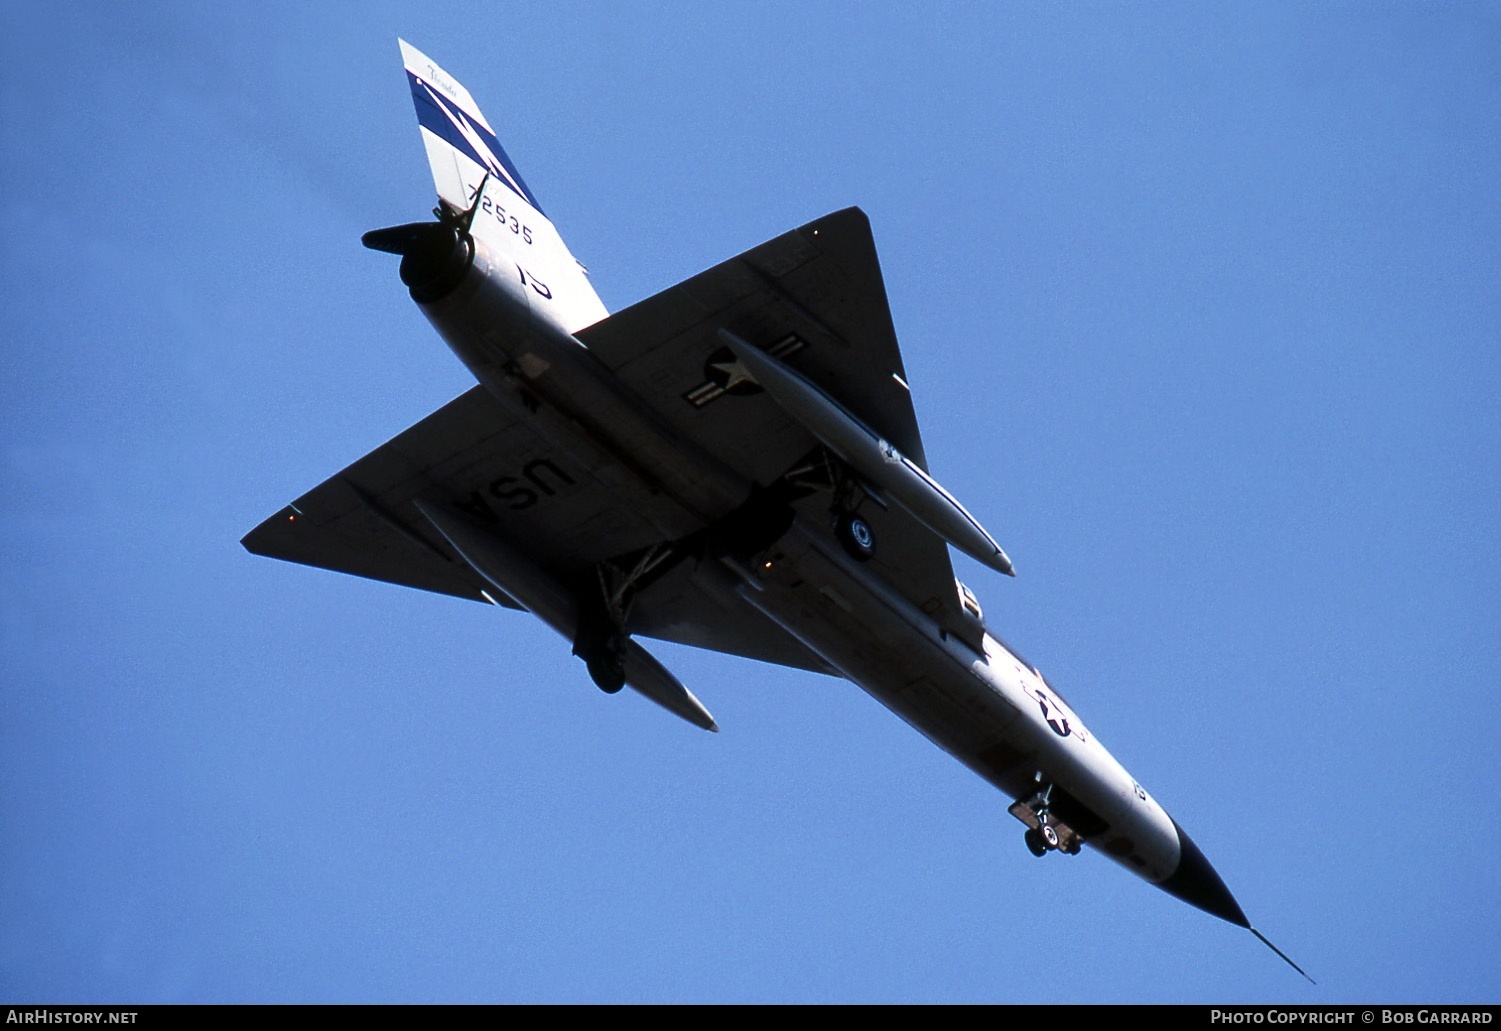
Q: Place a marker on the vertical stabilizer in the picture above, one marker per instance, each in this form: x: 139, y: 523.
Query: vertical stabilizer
x: 466, y: 158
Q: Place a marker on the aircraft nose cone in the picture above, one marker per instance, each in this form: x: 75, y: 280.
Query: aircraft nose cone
x: 1197, y: 883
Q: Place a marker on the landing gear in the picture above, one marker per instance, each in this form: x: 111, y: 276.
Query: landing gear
x: 1043, y: 838
x: 601, y: 638
x: 1045, y: 833
x: 823, y: 471
x: 856, y: 536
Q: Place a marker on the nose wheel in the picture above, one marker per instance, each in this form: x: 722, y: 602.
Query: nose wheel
x: 1043, y: 838
x: 1044, y: 833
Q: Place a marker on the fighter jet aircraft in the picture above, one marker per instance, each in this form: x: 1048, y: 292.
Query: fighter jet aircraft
x: 733, y: 463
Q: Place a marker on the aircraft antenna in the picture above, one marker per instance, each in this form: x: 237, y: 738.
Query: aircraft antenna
x: 466, y: 220
x: 1279, y: 952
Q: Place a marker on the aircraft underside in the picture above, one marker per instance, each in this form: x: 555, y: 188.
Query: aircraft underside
x: 733, y: 463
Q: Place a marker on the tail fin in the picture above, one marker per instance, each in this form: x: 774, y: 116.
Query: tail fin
x: 462, y: 151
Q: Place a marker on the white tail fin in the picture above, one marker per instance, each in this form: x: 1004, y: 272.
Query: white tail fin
x: 469, y: 166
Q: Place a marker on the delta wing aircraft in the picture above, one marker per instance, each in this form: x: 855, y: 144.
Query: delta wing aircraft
x: 733, y: 464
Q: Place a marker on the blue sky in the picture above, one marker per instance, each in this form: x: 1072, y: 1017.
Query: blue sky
x: 1199, y: 304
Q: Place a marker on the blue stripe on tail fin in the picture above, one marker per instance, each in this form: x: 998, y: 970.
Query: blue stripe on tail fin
x: 450, y: 123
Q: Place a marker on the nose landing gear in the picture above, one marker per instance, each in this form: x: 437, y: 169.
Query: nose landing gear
x: 1045, y: 833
